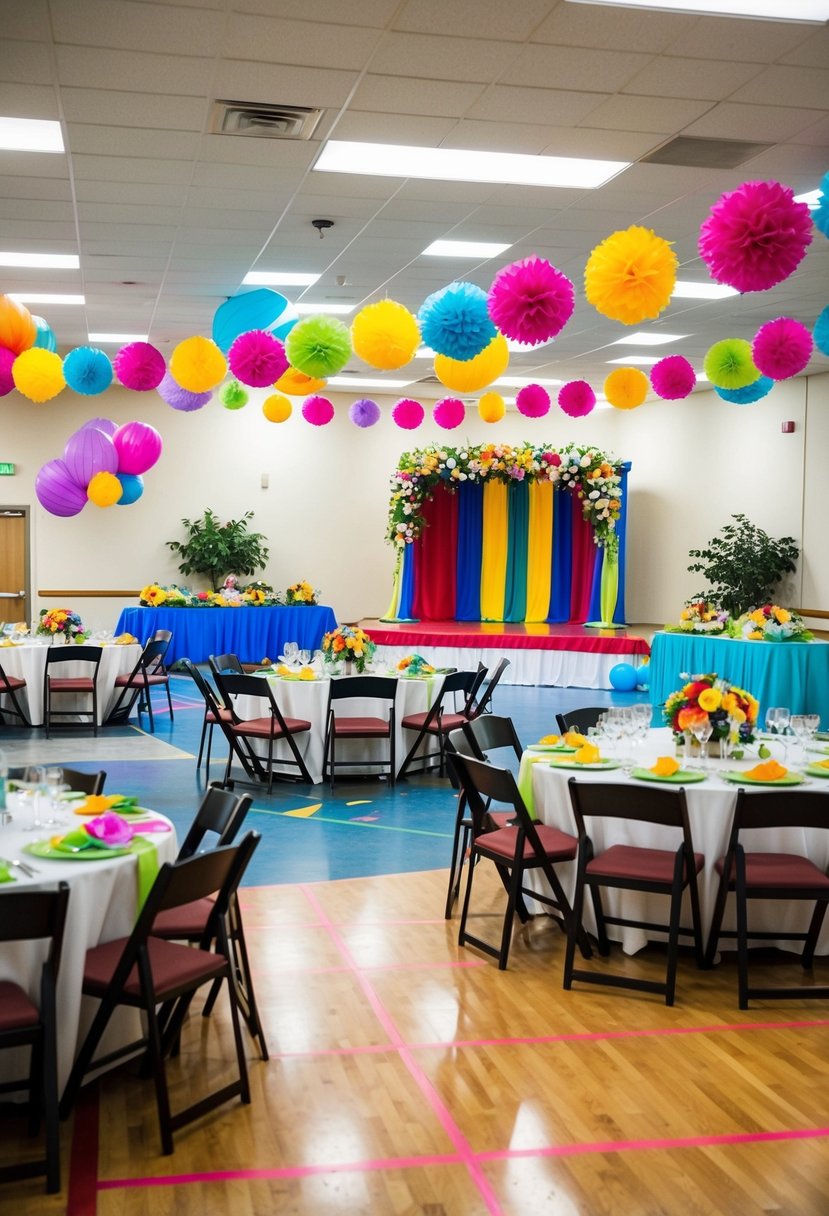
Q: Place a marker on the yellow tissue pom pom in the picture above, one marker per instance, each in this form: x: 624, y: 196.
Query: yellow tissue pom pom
x: 385, y: 335
x: 296, y: 384
x: 574, y: 738
x: 492, y: 407
x: 38, y: 374
x: 630, y: 276
x: 467, y: 376
x: 197, y: 364
x: 277, y: 408
x: 553, y: 739
x: 626, y: 388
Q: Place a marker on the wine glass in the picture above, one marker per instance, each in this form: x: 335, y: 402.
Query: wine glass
x: 702, y: 731
x: 801, y: 731
x: 54, y: 788
x: 290, y: 652
x: 812, y: 723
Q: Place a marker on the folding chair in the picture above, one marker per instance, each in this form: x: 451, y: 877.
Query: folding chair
x: 513, y: 851
x: 30, y: 916
x: 272, y: 727
x: 85, y: 685
x: 220, y: 663
x: 10, y: 686
x: 634, y: 868
x: 580, y: 719
x: 85, y: 783
x: 216, y: 713
x: 381, y: 689
x: 147, y: 674
x: 437, y: 722
x: 772, y: 874
x: 146, y: 972
x: 484, y: 703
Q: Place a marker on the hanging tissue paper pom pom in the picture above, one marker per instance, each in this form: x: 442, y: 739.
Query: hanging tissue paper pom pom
x: 87, y: 371
x: 140, y: 366
x: 104, y: 490
x: 364, y: 413
x: 17, y: 326
x: 197, y: 364
x: 318, y: 346
x: 277, y: 408
x: 673, y: 378
x: 38, y: 374
x: 454, y: 321
x: 782, y: 348
x: 820, y: 216
x: 407, y: 414
x: 530, y: 301
x: 449, y: 413
x: 385, y: 335
x: 233, y: 396
x: 748, y: 395
x: 755, y: 236
x: 533, y: 401
x: 470, y: 375
x: 317, y: 410
x: 297, y: 384
x: 821, y: 332
x: 728, y: 364
x: 492, y: 407
x: 180, y: 398
x: 626, y: 388
x: 576, y: 398
x: 629, y: 277
x: 7, y: 358
x: 57, y: 491
x: 256, y: 358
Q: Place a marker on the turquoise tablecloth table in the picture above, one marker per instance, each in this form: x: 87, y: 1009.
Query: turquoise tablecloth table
x: 250, y: 633
x: 795, y: 674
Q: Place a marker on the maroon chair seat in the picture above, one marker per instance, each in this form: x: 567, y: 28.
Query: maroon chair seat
x: 363, y: 728
x: 11, y: 682
x: 10, y: 686
x: 631, y: 861
x: 149, y: 672
x: 266, y: 728
x: 438, y: 722
x: 139, y: 682
x: 72, y: 684
x: 500, y: 843
x: 16, y: 1010
x: 343, y: 726
x: 448, y: 723
x: 174, y: 969
x: 783, y: 870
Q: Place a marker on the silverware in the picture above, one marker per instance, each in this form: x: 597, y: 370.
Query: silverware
x: 28, y: 870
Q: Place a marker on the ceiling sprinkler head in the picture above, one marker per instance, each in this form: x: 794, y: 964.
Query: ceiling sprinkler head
x: 321, y: 226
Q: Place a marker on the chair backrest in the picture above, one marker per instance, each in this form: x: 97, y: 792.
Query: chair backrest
x: 646, y: 804
x: 220, y: 811
x: 86, y: 783
x: 35, y: 915
x: 467, y: 682
x: 162, y: 635
x: 779, y: 809
x: 232, y: 685
x: 580, y: 719
x: 482, y: 704
x: 211, y: 699
x: 490, y: 733
x: 73, y: 654
x: 483, y: 784
x: 151, y: 656
x: 220, y: 663
x: 381, y: 688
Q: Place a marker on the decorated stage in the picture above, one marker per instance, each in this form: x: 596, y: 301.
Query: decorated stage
x: 565, y: 655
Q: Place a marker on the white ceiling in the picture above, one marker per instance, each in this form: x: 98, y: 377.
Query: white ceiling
x: 169, y: 218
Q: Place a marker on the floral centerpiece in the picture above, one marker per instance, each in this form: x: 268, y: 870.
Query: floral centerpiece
x: 301, y: 593
x: 730, y: 710
x: 415, y: 665
x: 771, y: 623
x: 61, y: 622
x: 260, y: 595
x: 348, y: 643
x: 700, y: 616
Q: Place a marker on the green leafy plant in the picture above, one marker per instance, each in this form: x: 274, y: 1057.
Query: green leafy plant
x: 214, y: 549
x: 743, y: 565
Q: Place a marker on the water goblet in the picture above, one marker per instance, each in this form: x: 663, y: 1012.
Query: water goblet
x: 290, y: 651
x: 812, y: 724
x: 800, y: 731
x: 304, y: 657
x: 54, y: 787
x: 702, y: 731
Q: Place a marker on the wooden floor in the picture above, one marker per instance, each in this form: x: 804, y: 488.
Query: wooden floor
x: 409, y: 1076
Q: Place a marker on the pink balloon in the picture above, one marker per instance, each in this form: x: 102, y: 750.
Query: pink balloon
x: 87, y: 452
x: 56, y: 490
x: 138, y: 445
x: 7, y: 358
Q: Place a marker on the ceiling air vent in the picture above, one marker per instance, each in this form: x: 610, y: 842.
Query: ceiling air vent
x: 705, y: 153
x: 263, y: 121
x: 428, y: 380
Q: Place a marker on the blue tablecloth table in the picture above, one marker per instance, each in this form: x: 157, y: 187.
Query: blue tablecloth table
x: 250, y: 633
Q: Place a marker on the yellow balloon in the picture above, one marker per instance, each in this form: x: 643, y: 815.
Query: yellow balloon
x: 492, y: 407
x: 104, y: 490
x: 276, y: 408
x: 477, y: 373
x: 296, y: 384
x: 385, y: 335
x: 38, y: 374
x: 626, y: 388
x: 197, y: 364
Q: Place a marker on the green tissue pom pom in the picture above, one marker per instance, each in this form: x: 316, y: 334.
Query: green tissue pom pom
x: 318, y: 346
x: 233, y: 396
x: 728, y: 364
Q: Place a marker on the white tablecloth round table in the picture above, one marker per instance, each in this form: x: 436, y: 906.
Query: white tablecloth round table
x: 28, y: 662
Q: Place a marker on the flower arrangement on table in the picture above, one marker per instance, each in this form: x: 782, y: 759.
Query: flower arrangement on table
x: 348, y: 643
x: 700, y: 616
x: 730, y: 710
x: 256, y: 595
x: 415, y: 665
x: 61, y: 622
x: 771, y: 623
x: 301, y: 593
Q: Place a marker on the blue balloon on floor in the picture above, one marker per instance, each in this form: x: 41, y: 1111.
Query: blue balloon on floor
x: 643, y: 672
x: 623, y: 677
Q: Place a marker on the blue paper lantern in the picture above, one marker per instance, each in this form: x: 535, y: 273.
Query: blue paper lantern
x: 87, y: 371
x: 45, y: 337
x: 455, y: 321
x: 749, y: 394
x: 820, y: 216
x: 623, y: 677
x: 132, y: 485
x: 821, y: 332
x: 261, y: 309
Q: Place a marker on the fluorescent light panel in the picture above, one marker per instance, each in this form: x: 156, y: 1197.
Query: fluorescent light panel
x: 41, y: 261
x: 30, y: 135
x: 361, y: 382
x: 686, y: 290
x: 465, y: 165
x: 813, y: 11
x: 315, y: 310
x: 646, y: 339
x: 644, y: 360
x: 118, y: 337
x: 278, y: 278
x: 811, y: 198
x: 45, y: 297
x: 465, y: 249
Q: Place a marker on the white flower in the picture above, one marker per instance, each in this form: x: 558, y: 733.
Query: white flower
x: 407, y: 509
x: 585, y: 462
x: 401, y: 527
x: 462, y: 477
x: 451, y: 462
x: 593, y: 494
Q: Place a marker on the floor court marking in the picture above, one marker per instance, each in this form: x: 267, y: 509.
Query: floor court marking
x: 356, y: 823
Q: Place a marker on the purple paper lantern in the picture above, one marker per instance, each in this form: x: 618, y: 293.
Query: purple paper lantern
x: 87, y: 452
x: 138, y: 445
x: 102, y: 424
x: 57, y: 491
x: 180, y: 398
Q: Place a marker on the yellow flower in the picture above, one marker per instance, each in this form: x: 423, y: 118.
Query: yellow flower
x: 781, y: 615
x: 756, y: 635
x: 710, y: 699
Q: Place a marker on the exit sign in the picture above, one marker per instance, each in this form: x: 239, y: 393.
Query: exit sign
x: 6, y: 468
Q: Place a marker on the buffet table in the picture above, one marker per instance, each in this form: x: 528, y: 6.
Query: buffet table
x: 250, y: 633
x: 795, y: 674
x: 28, y: 662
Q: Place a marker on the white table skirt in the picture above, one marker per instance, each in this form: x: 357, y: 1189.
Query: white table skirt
x: 559, y: 668
x: 103, y: 901
x: 28, y: 662
x: 308, y: 699
x: 710, y: 811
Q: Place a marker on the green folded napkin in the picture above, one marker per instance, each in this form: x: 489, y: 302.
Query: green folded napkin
x: 5, y: 873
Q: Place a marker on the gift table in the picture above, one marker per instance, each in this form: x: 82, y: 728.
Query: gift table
x: 251, y: 633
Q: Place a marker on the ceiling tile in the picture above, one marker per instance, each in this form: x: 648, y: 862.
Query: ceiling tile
x: 36, y: 209
x: 133, y: 71
x: 813, y: 52
x: 29, y: 21
x: 131, y: 169
x: 37, y: 187
x: 113, y: 141
x: 738, y: 40
x: 710, y: 79
x: 574, y: 68
x: 152, y: 194
x: 395, y: 128
x: 504, y: 103
x: 133, y: 26
x: 817, y: 134
x: 408, y: 95
x: 488, y: 18
x: 622, y: 29
x: 158, y: 110
x: 769, y: 124
x: 438, y: 58
x: 25, y: 62
x: 28, y: 101
x: 498, y: 136
x: 628, y: 113
x: 787, y: 86
x: 375, y: 13
x: 299, y: 43
x: 243, y: 80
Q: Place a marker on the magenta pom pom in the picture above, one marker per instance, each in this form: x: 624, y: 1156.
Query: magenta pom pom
x: 407, y: 414
x: 139, y: 366
x: 782, y: 348
x: 364, y: 413
x: 530, y: 301
x: 257, y: 359
x: 577, y: 398
x: 7, y: 358
x: 181, y: 398
x: 755, y: 236
x: 449, y: 413
x: 533, y: 401
x: 673, y: 378
x: 317, y: 410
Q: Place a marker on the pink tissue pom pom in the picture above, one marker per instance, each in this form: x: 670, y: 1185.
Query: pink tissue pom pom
x: 449, y: 413
x: 407, y: 414
x: 364, y: 413
x: 782, y: 348
x: 673, y: 378
x: 257, y: 358
x: 7, y: 358
x: 317, y: 410
x: 181, y: 398
x: 755, y: 236
x: 530, y: 301
x: 576, y: 398
x: 139, y: 366
x: 533, y: 401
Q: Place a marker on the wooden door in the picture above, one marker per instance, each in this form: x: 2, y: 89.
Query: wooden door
x: 14, y: 540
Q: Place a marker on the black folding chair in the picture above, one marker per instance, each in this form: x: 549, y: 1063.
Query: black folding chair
x: 484, y: 703
x: 270, y: 728
x: 85, y: 783
x: 10, y: 686
x: 147, y: 674
x: 439, y: 721
x: 343, y: 727
x: 580, y: 719
x: 215, y: 712
x: 85, y: 685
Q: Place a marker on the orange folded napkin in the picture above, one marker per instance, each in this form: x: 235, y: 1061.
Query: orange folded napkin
x: 574, y: 738
x: 769, y: 771
x: 98, y: 804
x: 665, y: 766
x: 820, y: 764
x: 588, y: 753
x: 551, y: 739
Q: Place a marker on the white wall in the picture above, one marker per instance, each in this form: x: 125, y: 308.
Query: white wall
x: 694, y: 464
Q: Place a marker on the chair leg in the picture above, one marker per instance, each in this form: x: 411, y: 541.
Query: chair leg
x: 742, y: 936
x: 717, y: 918
x: 807, y: 958
x: 515, y: 885
x: 84, y: 1057
x: 149, y: 705
x: 169, y: 699
x: 201, y: 740
x: 460, y: 843
x: 673, y: 940
x: 162, y: 1097
x: 575, y: 924
x: 50, y: 1109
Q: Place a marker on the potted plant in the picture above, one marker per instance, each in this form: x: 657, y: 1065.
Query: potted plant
x: 743, y: 566
x: 216, y: 549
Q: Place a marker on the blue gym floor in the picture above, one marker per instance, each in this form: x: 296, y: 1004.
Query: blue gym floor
x: 361, y: 828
